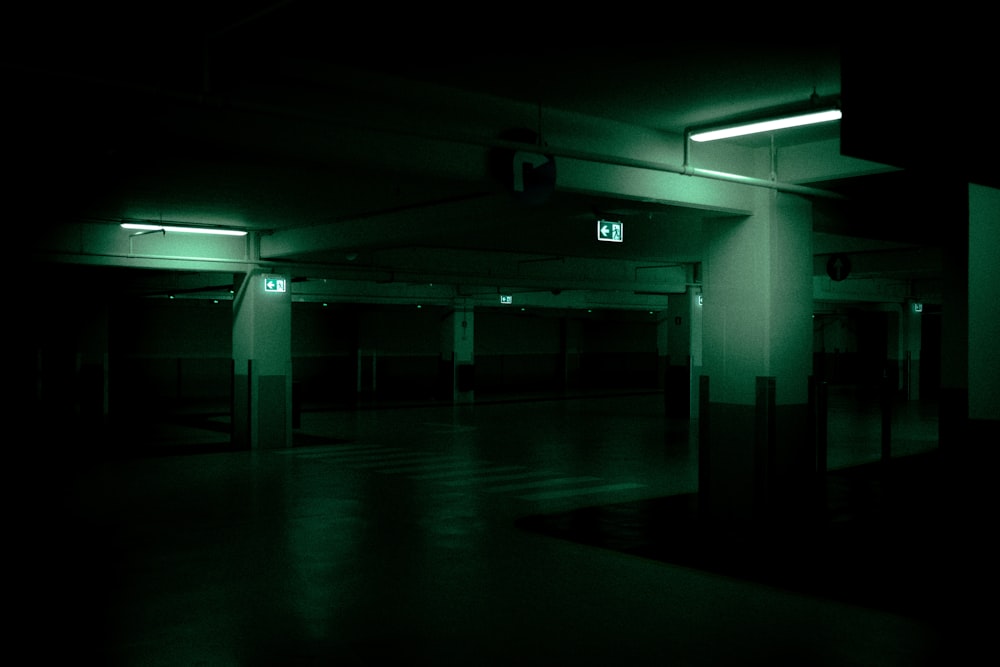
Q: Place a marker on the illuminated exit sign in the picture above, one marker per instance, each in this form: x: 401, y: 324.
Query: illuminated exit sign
x: 275, y: 284
x: 609, y: 230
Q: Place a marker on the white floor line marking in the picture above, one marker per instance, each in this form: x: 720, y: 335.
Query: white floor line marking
x: 479, y: 469
x: 498, y: 478
x: 429, y: 467
x: 545, y: 482
x: 444, y: 427
x: 411, y: 459
x: 357, y: 453
x: 566, y: 493
x: 328, y: 450
x: 379, y: 458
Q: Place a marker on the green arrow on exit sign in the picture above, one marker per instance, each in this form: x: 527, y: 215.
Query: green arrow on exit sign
x: 272, y: 284
x: 608, y: 230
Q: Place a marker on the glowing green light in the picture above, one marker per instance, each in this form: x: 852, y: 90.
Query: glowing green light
x: 767, y: 125
x: 275, y: 284
x: 185, y: 230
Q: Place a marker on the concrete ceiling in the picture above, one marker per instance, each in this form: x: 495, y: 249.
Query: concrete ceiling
x: 367, y: 158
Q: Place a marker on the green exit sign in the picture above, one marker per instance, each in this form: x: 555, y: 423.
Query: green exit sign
x: 610, y: 230
x: 275, y: 284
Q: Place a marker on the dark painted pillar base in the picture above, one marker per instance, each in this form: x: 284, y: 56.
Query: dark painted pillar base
x: 757, y: 463
x: 677, y: 391
x: 273, y: 411
x: 970, y: 448
x: 240, y: 413
x: 953, y: 420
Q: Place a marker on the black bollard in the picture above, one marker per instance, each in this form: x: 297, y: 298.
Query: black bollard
x: 887, y: 392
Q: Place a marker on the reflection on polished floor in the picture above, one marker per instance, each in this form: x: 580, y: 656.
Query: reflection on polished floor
x: 545, y: 532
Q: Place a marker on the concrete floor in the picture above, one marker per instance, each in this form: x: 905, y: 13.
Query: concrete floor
x: 511, y: 533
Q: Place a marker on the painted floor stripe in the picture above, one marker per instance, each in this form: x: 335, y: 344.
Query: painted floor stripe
x: 479, y: 469
x: 357, y: 453
x: 428, y: 467
x: 327, y: 450
x: 354, y: 446
x: 498, y: 478
x: 378, y: 458
x: 375, y: 451
x: 545, y: 482
x: 566, y: 493
x: 406, y: 459
x: 444, y: 427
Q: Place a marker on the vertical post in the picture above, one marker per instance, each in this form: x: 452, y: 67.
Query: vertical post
x: 262, y: 356
x: 676, y: 333
x: 704, y: 443
x: 984, y: 321
x: 818, y: 415
x: 458, y: 351
x: 907, y: 366
x: 822, y: 429
x: 765, y: 455
x: 887, y: 392
x: 358, y: 365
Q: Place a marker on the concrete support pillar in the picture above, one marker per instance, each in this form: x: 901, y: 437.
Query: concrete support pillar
x: 912, y: 325
x: 572, y: 347
x: 262, y: 362
x: 954, y: 389
x: 893, y: 373
x: 757, y: 456
x: 984, y: 316
x: 679, y: 340
x: 458, y: 353
x: 69, y: 363
x: 969, y: 419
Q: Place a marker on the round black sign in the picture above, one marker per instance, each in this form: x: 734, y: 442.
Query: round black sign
x: 838, y: 267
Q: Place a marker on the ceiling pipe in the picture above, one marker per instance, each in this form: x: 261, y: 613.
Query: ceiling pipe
x: 569, y: 153
x: 212, y: 101
x: 587, y: 156
x: 684, y: 170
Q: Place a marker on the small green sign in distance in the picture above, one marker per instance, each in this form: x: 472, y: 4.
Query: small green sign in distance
x: 609, y: 230
x: 274, y: 284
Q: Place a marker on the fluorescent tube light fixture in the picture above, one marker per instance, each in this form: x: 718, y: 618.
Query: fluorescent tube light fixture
x: 148, y: 227
x: 767, y: 125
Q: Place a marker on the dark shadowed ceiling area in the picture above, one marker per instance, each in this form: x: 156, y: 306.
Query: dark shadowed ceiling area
x: 334, y: 136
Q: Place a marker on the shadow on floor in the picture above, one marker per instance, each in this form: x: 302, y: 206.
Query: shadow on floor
x: 891, y: 537
x: 190, y: 434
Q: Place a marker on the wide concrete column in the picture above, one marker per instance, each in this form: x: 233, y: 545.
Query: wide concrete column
x: 954, y: 389
x: 458, y: 352
x: 262, y: 362
x: 757, y: 453
x: 679, y: 341
x: 984, y: 316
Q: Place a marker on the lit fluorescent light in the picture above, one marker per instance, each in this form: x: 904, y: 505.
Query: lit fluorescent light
x: 767, y: 125
x: 184, y: 230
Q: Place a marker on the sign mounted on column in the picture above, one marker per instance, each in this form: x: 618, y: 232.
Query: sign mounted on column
x: 529, y: 173
x: 838, y: 267
x: 608, y: 230
x: 275, y: 284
